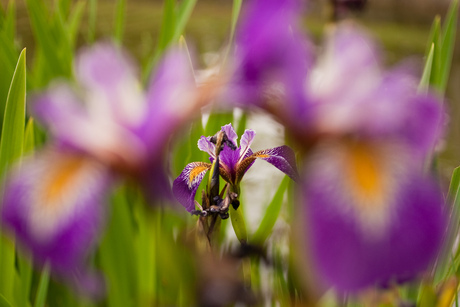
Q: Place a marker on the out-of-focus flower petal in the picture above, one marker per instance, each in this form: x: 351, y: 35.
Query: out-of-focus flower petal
x: 171, y: 98
x: 372, y: 217
x: 372, y: 103
x: 111, y: 82
x: 54, y: 204
x: 265, y: 36
x: 186, y: 185
x: 282, y: 157
x: 73, y: 125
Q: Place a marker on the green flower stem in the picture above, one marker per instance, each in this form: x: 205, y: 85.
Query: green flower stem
x: 238, y: 223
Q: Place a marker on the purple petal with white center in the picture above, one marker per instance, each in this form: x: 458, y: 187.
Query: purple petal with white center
x: 385, y: 104
x: 231, y: 134
x: 73, y: 125
x: 372, y: 217
x: 282, y: 157
x: 54, y: 205
x: 186, y: 185
x: 347, y: 258
x: 112, y: 85
x: 205, y: 145
x: 245, y: 142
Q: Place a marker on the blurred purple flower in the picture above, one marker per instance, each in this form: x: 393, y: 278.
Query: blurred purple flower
x: 54, y: 202
x: 270, y: 53
x: 372, y: 216
x: 233, y: 164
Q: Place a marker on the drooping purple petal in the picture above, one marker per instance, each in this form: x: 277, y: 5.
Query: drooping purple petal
x: 346, y: 255
x: 245, y: 142
x: 231, y: 134
x: 186, y: 185
x: 282, y: 157
x: 372, y: 217
x: 54, y: 205
x: 205, y: 145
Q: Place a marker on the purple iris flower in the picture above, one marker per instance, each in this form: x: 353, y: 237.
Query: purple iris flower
x: 372, y: 217
x: 233, y: 164
x: 54, y: 202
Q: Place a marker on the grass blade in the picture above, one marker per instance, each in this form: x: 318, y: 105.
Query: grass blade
x: 448, y: 42
x: 92, y: 15
x: 425, y: 80
x: 235, y: 13
x: 183, y: 14
x: 119, y: 20
x: 14, y: 117
x: 271, y: 214
x: 42, y: 291
x: 10, y: 150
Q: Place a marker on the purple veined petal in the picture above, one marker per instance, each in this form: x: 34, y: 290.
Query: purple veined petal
x: 205, y: 145
x: 112, y: 85
x: 371, y: 216
x: 245, y: 142
x: 186, y: 185
x: 229, y: 161
x: 282, y: 157
x: 54, y: 205
x: 231, y: 134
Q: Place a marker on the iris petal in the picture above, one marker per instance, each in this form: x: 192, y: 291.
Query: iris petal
x: 372, y: 216
x: 186, y: 185
x: 231, y: 134
x: 282, y: 157
x: 205, y: 145
x: 54, y: 206
x: 245, y: 142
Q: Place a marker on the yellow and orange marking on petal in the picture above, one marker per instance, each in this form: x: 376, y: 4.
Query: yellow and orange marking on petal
x: 197, y: 168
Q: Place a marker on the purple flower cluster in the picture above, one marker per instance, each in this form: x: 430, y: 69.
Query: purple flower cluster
x: 371, y: 214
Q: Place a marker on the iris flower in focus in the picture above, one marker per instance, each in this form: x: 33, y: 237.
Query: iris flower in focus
x: 372, y: 216
x: 233, y: 164
x: 103, y: 129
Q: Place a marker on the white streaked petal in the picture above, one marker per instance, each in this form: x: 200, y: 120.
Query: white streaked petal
x: 364, y: 177
x: 60, y: 186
